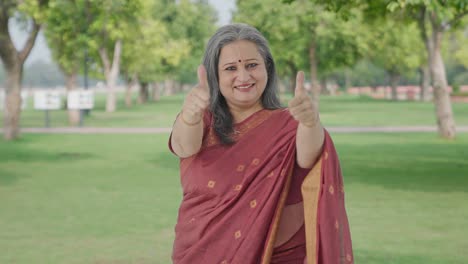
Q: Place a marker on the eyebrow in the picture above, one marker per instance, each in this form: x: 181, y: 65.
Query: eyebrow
x: 236, y: 61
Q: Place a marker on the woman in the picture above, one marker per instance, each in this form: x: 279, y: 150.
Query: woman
x: 261, y: 183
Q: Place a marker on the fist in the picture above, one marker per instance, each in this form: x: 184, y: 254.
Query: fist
x: 197, y: 100
x: 302, y: 107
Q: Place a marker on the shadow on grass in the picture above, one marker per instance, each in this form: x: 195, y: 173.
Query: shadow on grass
x: 21, y: 152
x: 430, y: 166
x: 8, y: 177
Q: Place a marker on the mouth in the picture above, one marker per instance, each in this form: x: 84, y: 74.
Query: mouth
x: 245, y: 87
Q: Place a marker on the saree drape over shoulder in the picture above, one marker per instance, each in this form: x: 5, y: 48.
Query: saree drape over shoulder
x: 233, y: 196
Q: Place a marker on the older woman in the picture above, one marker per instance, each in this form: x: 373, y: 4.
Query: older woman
x: 261, y: 183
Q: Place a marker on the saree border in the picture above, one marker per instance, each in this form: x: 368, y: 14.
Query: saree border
x: 311, y: 188
x: 269, y: 246
x: 241, y: 129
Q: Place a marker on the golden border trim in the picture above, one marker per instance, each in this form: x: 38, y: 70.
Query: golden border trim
x: 241, y: 129
x: 310, y: 194
x: 266, y: 258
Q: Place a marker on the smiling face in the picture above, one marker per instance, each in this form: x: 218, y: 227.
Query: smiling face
x: 242, y: 75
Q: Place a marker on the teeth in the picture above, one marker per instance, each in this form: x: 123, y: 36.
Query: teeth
x: 245, y: 86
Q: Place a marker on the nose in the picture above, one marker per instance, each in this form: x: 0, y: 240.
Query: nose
x: 243, y: 75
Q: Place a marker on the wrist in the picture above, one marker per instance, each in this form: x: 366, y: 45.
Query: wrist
x: 311, y: 124
x: 189, y: 123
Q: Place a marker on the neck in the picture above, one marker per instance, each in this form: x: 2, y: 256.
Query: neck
x: 240, y: 113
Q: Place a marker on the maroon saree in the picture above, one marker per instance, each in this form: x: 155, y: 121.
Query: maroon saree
x: 233, y: 196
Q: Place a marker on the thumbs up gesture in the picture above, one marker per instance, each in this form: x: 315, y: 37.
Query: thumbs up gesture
x: 197, y: 100
x: 301, y: 107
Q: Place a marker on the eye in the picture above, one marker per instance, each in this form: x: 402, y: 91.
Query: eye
x: 251, y: 65
x: 230, y: 68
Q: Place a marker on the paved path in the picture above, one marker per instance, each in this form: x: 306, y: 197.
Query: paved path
x: 147, y: 130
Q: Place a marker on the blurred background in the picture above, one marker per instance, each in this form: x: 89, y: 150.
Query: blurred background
x: 89, y: 90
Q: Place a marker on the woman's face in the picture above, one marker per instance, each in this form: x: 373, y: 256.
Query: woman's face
x: 242, y: 74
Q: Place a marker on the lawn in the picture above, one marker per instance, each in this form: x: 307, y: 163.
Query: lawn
x: 335, y: 111
x: 114, y: 198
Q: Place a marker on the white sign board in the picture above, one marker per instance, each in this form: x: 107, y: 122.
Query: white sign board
x: 47, y: 100
x: 24, y: 99
x: 80, y: 99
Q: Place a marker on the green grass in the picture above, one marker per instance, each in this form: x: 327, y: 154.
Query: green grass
x: 114, y: 198
x: 335, y: 111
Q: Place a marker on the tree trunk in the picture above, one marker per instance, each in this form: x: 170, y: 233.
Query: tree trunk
x: 292, y: 78
x: 13, y: 61
x: 111, y: 72
x: 131, y: 82
x: 314, y: 83
x: 425, y: 83
x: 156, y: 92
x: 70, y: 84
x: 168, y: 87
x: 394, y: 81
x: 443, y: 105
x: 12, y: 109
x: 143, y: 95
x: 128, y: 94
x: 347, y: 79
x: 292, y: 82
x: 281, y: 87
x: 111, y: 99
x: 323, y: 86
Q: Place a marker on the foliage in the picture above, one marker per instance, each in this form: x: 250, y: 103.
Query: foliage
x: 396, y: 47
x: 192, y: 23
x: 293, y: 28
x: 65, y: 32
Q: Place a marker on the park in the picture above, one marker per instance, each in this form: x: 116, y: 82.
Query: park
x: 98, y: 184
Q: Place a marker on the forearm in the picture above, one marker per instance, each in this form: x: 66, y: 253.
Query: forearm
x: 186, y: 139
x: 309, y: 143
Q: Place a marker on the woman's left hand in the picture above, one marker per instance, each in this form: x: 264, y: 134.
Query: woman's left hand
x: 302, y: 107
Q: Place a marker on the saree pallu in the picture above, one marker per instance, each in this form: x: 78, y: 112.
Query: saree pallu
x: 233, y: 196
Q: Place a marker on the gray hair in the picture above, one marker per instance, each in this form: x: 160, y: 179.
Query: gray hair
x: 223, y: 120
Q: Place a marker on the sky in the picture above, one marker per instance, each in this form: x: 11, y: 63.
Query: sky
x: 42, y: 52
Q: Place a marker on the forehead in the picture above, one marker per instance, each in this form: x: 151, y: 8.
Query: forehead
x: 239, y: 50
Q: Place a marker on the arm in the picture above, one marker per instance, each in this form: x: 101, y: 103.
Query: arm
x: 309, y: 143
x: 187, y: 132
x: 186, y: 138
x: 310, y: 134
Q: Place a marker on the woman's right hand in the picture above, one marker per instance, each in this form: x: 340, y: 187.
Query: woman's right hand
x: 197, y: 100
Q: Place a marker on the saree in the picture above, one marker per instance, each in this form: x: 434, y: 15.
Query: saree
x: 233, y: 196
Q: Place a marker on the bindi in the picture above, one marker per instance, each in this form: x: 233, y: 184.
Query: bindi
x: 240, y: 60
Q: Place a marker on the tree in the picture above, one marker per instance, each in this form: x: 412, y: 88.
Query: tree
x: 153, y: 50
x: 109, y: 24
x: 396, y: 48
x: 64, y: 31
x: 33, y: 13
x: 189, y: 22
x: 322, y: 42
x: 194, y: 22
x: 441, y: 16
x: 434, y: 17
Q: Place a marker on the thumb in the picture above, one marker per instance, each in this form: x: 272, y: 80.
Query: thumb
x: 202, y: 78
x: 299, y: 90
